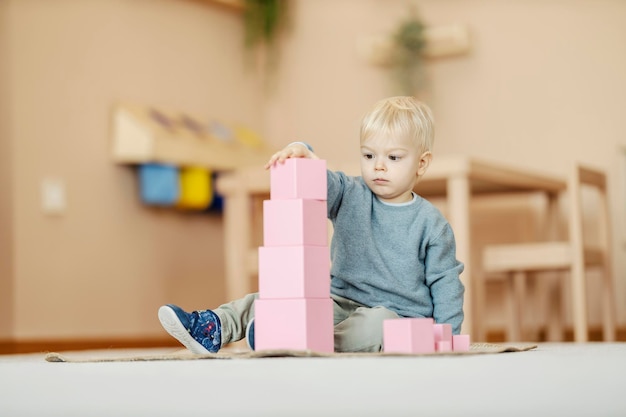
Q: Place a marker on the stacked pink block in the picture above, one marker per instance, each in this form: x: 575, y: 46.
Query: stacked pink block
x: 421, y: 335
x: 294, y: 309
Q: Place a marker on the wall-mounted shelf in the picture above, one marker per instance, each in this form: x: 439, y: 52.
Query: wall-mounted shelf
x: 235, y: 5
x: 441, y: 42
x: 143, y: 134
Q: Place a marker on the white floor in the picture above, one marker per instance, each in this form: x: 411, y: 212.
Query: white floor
x: 553, y: 380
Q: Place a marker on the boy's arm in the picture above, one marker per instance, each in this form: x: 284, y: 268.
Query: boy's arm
x: 335, y: 181
x: 442, y: 276
x: 293, y: 150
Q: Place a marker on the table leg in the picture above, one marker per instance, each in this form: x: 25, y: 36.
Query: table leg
x: 458, y: 195
x: 237, y: 226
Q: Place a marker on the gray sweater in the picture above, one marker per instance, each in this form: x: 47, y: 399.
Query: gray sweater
x: 400, y: 256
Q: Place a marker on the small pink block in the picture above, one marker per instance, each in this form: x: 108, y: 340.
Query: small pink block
x: 461, y: 343
x: 295, y: 222
x: 294, y: 272
x: 443, y: 332
x: 300, y: 324
x: 299, y: 178
x: 443, y: 346
x: 408, y: 335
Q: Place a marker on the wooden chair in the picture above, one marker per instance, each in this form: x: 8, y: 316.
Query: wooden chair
x: 572, y: 256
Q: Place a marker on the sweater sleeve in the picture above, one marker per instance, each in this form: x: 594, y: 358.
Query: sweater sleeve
x: 442, y: 277
x: 336, y: 185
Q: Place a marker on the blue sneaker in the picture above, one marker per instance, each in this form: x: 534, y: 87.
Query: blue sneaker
x: 250, y: 334
x: 199, y: 331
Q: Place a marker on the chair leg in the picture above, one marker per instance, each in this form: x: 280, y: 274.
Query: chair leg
x: 608, y: 324
x: 554, y: 304
x: 479, y: 286
x: 577, y: 270
x: 511, y: 332
x: 554, y: 281
x: 608, y: 299
x: 579, y: 304
x: 516, y: 290
x: 534, y: 317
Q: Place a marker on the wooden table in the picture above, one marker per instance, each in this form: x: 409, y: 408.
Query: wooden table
x: 457, y: 178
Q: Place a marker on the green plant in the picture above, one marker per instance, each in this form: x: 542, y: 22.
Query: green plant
x: 409, y: 44
x: 263, y: 19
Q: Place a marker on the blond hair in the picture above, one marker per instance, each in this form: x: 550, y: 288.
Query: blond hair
x: 400, y: 116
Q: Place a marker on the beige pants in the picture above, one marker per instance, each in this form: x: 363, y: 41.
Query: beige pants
x: 358, y: 328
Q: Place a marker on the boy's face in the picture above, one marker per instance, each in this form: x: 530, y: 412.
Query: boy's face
x: 392, y: 166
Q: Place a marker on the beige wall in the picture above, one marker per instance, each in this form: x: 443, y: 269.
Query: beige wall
x: 103, y: 268
x: 6, y: 192
x: 544, y: 84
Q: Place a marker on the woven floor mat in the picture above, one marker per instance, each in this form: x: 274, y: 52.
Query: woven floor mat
x: 475, y: 348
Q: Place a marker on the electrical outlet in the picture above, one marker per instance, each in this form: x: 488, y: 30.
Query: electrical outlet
x: 53, y: 196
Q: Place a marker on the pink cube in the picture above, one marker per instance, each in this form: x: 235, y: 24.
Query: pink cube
x: 408, y: 335
x: 461, y: 343
x: 443, y: 332
x: 443, y: 346
x: 299, y: 178
x: 294, y: 272
x: 295, y: 222
x: 300, y: 324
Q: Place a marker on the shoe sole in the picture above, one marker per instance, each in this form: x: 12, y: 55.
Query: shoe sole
x: 170, y: 322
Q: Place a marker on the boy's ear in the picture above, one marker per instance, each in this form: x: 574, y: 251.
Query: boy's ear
x: 424, y: 163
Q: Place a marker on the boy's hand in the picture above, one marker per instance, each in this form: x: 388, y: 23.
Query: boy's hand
x: 293, y: 150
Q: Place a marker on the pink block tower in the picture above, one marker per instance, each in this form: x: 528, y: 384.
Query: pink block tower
x: 294, y: 309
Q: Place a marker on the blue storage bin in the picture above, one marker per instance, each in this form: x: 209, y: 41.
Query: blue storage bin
x: 159, y: 184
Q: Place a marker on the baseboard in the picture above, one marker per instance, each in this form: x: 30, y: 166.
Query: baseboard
x: 51, y: 345
x: 595, y: 335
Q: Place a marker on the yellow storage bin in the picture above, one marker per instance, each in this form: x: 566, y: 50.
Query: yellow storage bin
x: 196, y: 188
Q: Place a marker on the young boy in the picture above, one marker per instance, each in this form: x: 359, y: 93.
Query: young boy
x: 393, y: 253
